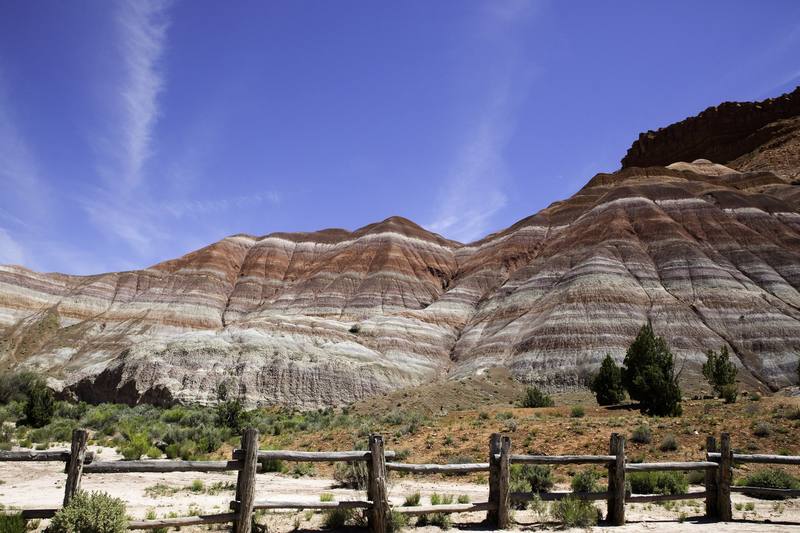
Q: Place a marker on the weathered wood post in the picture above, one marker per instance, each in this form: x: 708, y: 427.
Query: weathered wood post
x: 77, y: 454
x: 494, y: 478
x: 246, y: 482
x: 724, y: 476
x: 711, y: 479
x: 616, y: 481
x: 376, y: 488
x: 504, y: 484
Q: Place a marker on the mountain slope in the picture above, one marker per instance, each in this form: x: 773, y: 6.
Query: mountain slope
x: 710, y: 253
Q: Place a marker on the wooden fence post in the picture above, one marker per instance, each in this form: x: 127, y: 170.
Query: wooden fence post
x: 376, y: 490
x: 504, y: 484
x: 494, y: 478
x: 724, y: 475
x: 77, y: 454
x: 711, y: 480
x: 246, y: 482
x: 616, y: 481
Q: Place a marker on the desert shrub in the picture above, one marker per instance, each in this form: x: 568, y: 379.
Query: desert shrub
x: 436, y: 499
x: 15, y: 386
x: 729, y: 393
x: 762, y: 429
x: 326, y: 497
x: 574, y: 512
x: 658, y: 483
x: 232, y: 414
x: 577, y: 411
x: 338, y: 518
x: 531, y: 478
x: 649, y: 374
x: 720, y: 372
x: 396, y: 522
x: 351, y: 475
x: 669, y: 444
x: 90, y: 513
x: 136, y: 446
x: 40, y: 405
x: 607, y: 383
x: 463, y: 498
x: 440, y: 520
x: 12, y: 523
x: 585, y: 481
x: 302, y: 470
x: 536, y: 398
x: 773, y: 478
x: 642, y: 434
x: 412, y: 500
x: 272, y: 465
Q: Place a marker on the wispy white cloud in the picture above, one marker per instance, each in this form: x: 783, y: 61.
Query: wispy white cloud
x: 20, y: 180
x: 11, y: 252
x: 180, y: 209
x: 473, y: 190
x: 143, y: 30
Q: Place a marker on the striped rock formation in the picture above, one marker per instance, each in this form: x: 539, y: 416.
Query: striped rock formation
x: 709, y: 252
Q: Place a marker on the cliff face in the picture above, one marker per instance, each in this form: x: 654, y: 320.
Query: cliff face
x: 708, y: 252
x: 743, y: 135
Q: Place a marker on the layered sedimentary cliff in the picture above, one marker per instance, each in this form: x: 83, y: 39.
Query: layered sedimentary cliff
x: 709, y: 253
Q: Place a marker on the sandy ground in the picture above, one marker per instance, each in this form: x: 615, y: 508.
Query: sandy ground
x: 31, y: 485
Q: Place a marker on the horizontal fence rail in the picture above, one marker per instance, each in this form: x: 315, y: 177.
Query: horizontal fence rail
x: 718, y: 467
x: 460, y: 468
x: 305, y: 457
x: 662, y: 467
x: 160, y: 466
x: 561, y: 459
x: 762, y: 458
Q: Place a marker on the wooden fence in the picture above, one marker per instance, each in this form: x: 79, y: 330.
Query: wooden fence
x: 718, y: 467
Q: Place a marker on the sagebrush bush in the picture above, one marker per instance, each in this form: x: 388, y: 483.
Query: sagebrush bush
x: 762, y: 429
x: 412, y: 500
x: 351, y: 475
x: 90, y: 513
x: 669, y: 444
x: 585, y: 481
x: 574, y: 512
x: 440, y: 520
x: 337, y: 518
x: 577, y: 411
x: 642, y: 434
x: 772, y: 478
x: 12, y: 523
x: 397, y: 521
x: 536, y: 398
x: 531, y: 478
x: 658, y: 483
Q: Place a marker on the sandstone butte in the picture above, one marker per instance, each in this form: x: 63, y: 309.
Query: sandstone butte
x: 709, y: 252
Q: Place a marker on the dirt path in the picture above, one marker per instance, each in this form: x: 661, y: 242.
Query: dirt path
x: 42, y: 484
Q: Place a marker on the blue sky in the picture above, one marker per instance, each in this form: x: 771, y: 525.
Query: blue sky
x: 133, y: 132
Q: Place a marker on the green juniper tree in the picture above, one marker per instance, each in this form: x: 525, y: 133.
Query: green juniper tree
x: 721, y: 374
x: 649, y: 374
x: 40, y: 405
x: 607, y: 383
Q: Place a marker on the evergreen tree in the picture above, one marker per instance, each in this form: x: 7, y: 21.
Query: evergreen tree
x: 607, y: 383
x: 40, y: 406
x: 649, y: 374
x: 721, y: 373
